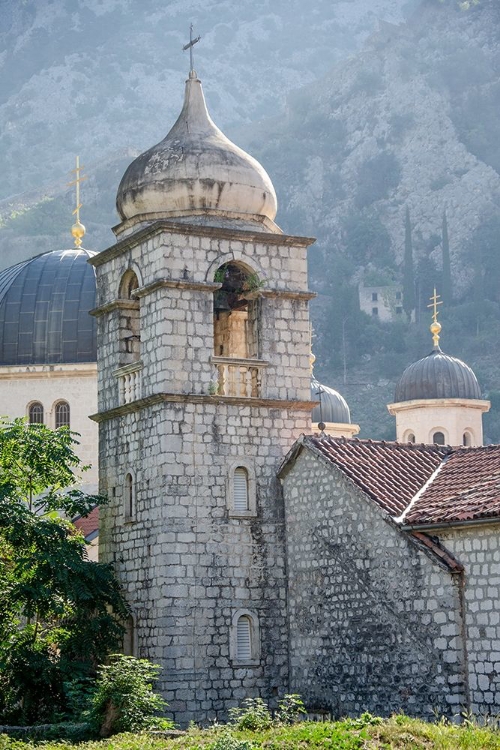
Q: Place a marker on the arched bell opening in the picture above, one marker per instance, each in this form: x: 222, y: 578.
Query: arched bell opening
x: 236, y: 312
x: 130, y: 335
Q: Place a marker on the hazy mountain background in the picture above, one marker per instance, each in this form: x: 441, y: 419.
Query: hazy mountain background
x: 358, y: 109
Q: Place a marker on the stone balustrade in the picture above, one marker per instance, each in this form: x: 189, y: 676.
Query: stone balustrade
x: 129, y: 380
x: 239, y: 377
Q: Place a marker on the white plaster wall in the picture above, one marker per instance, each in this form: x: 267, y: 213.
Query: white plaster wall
x: 452, y: 417
x: 76, y: 384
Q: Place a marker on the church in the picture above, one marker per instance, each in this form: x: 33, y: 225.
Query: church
x: 262, y: 548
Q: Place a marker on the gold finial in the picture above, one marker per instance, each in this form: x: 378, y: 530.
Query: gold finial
x: 77, y: 230
x: 435, y: 325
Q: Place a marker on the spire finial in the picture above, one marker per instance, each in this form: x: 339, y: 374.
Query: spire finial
x: 189, y: 46
x: 77, y: 230
x: 435, y: 325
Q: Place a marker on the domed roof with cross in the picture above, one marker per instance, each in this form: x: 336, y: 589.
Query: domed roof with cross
x: 195, y: 169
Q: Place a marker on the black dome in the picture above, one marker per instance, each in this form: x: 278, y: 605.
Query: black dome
x: 333, y: 407
x: 44, y: 310
x: 437, y: 376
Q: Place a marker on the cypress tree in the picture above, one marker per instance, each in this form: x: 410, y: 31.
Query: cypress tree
x: 446, y: 286
x: 408, y: 274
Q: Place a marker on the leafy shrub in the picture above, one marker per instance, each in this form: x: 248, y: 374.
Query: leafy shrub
x: 253, y: 714
x: 124, y: 700
x: 290, y: 709
x: 228, y: 742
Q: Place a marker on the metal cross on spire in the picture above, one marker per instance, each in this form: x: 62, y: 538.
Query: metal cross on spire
x: 77, y: 230
x: 190, y: 46
x: 435, y: 325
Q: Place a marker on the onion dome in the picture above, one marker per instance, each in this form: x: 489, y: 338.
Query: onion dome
x: 333, y: 407
x: 44, y: 310
x: 196, y: 169
x: 437, y: 376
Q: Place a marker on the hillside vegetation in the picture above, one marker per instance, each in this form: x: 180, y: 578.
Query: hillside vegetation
x: 407, y: 123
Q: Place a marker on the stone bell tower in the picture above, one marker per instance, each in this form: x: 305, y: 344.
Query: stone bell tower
x: 203, y: 362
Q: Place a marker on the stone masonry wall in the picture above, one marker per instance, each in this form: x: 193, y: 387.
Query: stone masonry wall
x: 478, y: 549
x: 374, y: 622
x: 176, y: 347
x: 187, y: 566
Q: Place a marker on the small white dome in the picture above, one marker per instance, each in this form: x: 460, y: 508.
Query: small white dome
x: 196, y: 168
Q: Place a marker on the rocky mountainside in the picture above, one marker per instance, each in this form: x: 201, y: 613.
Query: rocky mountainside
x: 97, y: 76
x: 358, y: 109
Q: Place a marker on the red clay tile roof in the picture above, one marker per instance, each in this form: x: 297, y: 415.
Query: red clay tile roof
x: 467, y: 487
x: 391, y: 473
x: 88, y: 524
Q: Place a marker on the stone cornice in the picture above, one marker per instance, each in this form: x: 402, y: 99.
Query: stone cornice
x: 77, y: 370
x: 116, y: 304
x: 437, y: 403
x: 181, y: 398
x: 159, y: 226
x: 200, y: 286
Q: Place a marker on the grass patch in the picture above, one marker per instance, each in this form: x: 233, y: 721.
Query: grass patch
x: 365, y: 733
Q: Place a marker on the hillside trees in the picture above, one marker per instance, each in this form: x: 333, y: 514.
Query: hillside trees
x: 60, y: 614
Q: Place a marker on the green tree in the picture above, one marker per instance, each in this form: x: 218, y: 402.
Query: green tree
x: 408, y: 273
x: 60, y: 613
x: 446, y: 283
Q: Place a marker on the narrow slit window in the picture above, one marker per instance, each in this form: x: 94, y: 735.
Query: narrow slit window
x: 62, y: 414
x: 243, y: 639
x: 35, y: 414
x: 129, y: 497
x: 240, y: 489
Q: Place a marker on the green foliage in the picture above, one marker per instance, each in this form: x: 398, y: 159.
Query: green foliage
x: 124, y: 700
x: 228, y: 741
x: 376, y: 178
x: 58, y: 610
x: 408, y: 274
x: 290, y: 709
x: 253, y: 714
x: 49, y: 216
x: 446, y: 284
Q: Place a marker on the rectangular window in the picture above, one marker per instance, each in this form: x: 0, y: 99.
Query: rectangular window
x: 374, y: 310
x: 374, y: 297
x: 398, y: 295
x: 399, y: 310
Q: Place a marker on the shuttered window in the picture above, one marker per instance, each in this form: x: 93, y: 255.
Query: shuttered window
x: 243, y: 639
x: 240, y: 489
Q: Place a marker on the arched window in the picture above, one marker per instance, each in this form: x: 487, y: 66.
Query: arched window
x: 240, y: 490
x: 245, y: 645
x: 411, y: 438
x: 236, y: 318
x: 129, y: 498
x: 130, y: 338
x: 438, y: 438
x: 62, y: 414
x: 244, y: 638
x: 467, y: 439
x: 35, y: 413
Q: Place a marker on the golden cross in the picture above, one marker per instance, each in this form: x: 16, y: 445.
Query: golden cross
x: 434, y: 304
x: 79, y: 179
x: 77, y: 230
